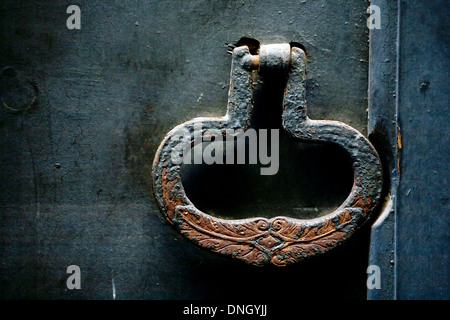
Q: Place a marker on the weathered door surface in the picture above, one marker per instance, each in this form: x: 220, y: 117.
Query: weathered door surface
x: 83, y: 111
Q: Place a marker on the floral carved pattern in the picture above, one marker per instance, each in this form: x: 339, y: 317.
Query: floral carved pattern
x: 279, y: 241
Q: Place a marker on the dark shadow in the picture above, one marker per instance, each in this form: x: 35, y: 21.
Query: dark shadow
x: 313, y: 178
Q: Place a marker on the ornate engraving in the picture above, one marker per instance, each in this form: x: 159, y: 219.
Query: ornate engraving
x: 279, y: 240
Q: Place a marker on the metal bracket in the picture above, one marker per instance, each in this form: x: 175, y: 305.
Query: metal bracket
x: 280, y: 240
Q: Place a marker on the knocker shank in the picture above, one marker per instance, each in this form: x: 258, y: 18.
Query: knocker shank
x: 280, y: 240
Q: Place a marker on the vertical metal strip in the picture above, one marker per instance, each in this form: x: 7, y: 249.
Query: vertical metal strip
x: 383, y: 133
x: 395, y: 187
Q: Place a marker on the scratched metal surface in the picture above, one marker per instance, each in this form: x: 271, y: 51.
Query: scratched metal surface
x: 422, y: 223
x: 75, y: 179
x: 408, y: 96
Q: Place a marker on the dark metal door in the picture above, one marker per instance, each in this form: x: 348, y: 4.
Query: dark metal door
x: 84, y: 111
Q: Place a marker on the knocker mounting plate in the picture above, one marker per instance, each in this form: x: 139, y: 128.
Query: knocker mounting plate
x: 280, y: 240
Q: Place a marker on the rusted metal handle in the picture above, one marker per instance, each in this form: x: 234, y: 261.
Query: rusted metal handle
x: 280, y: 240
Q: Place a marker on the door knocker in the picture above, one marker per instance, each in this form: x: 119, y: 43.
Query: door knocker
x: 280, y: 240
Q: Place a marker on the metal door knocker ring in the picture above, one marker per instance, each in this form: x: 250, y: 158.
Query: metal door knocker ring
x: 280, y: 240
